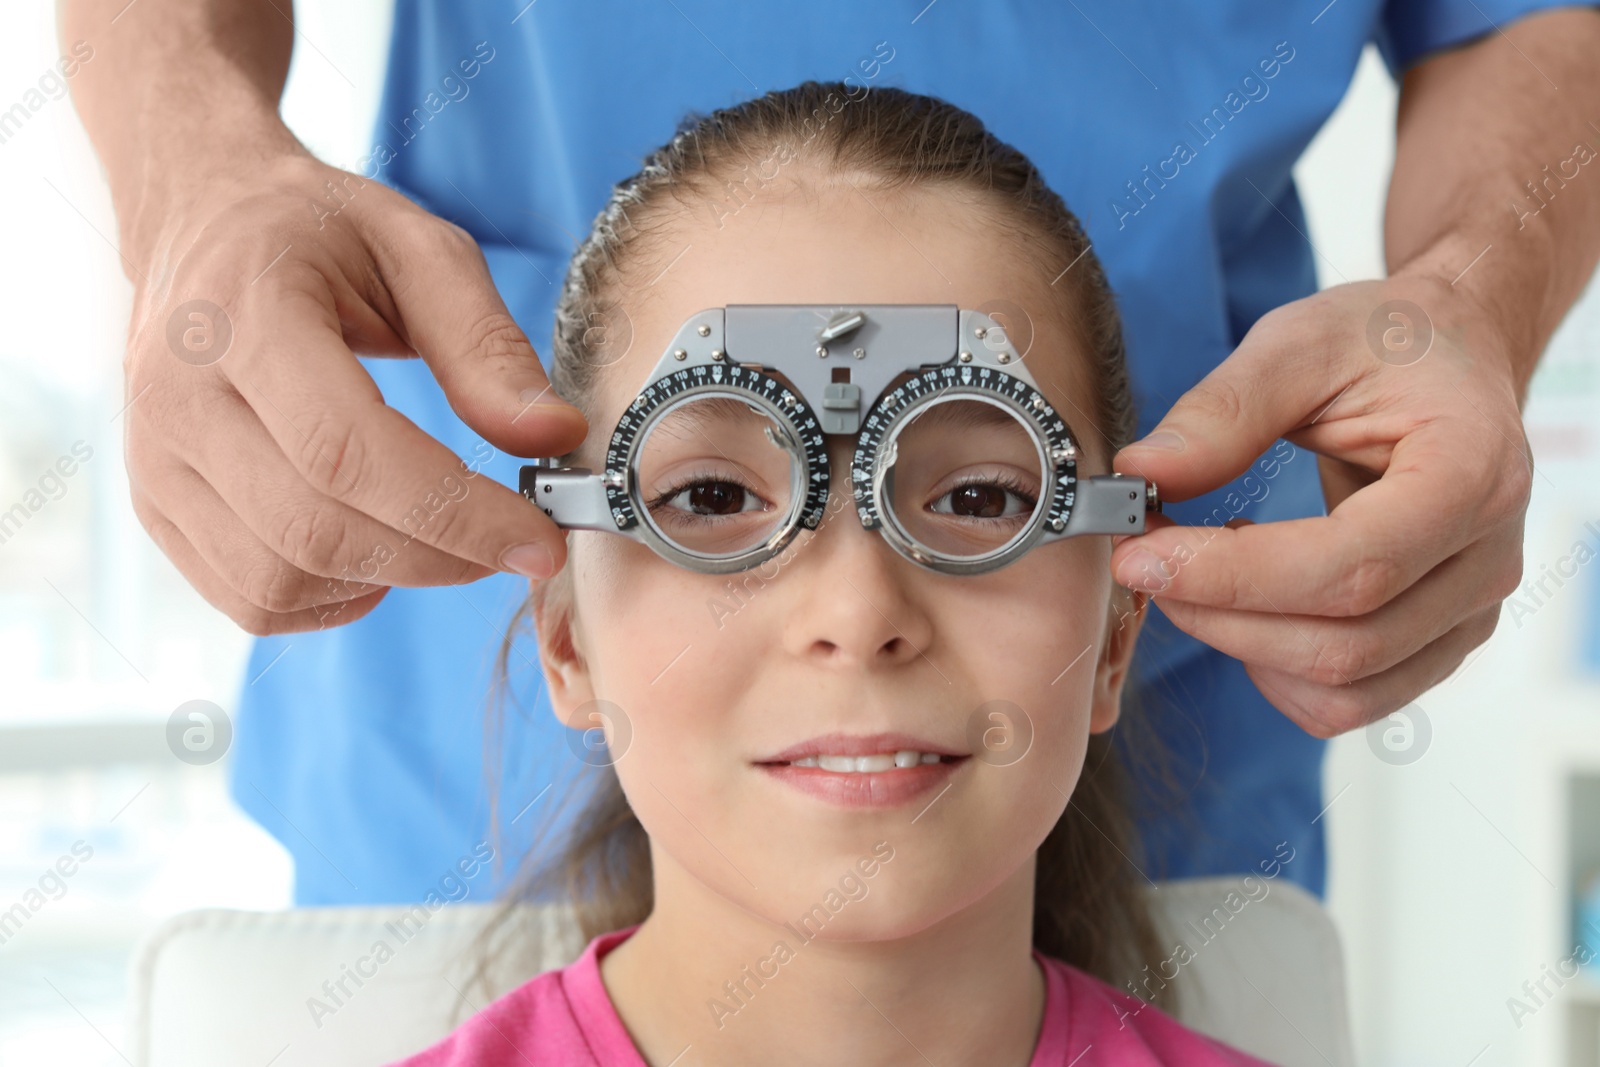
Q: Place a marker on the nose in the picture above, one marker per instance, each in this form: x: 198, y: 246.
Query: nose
x: 859, y: 604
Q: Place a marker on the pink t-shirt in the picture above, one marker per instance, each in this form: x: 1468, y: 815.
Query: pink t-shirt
x: 565, y: 1017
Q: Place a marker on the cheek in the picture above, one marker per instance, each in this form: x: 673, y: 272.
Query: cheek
x: 655, y: 650
x: 1033, y: 631
x: 638, y: 615
x: 1037, y: 634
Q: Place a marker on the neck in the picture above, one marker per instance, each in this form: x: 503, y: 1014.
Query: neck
x: 705, y: 974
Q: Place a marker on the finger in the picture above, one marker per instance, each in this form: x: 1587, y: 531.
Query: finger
x: 1152, y: 521
x: 1327, y: 711
x: 308, y: 530
x: 329, y: 420
x: 252, y: 569
x: 450, y: 312
x: 220, y: 594
x: 1277, y: 379
x: 1428, y: 506
x: 1340, y: 478
x: 1334, y: 651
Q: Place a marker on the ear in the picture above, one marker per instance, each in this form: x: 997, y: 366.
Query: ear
x: 1124, y: 617
x: 566, y: 670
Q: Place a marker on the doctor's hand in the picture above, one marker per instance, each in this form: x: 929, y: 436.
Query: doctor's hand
x: 1415, y: 419
x: 261, y: 455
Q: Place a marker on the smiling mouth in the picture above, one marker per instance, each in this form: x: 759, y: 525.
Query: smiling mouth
x: 869, y: 772
x: 885, y: 761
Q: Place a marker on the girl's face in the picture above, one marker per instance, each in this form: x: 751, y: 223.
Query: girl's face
x: 722, y: 681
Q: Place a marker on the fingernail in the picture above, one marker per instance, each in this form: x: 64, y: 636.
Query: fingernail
x: 531, y: 560
x: 1164, y: 440
x: 1142, y: 570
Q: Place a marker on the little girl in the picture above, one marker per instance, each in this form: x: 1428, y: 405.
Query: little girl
x: 802, y: 851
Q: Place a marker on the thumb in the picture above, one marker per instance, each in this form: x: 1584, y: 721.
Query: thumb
x: 450, y: 312
x: 1228, y: 419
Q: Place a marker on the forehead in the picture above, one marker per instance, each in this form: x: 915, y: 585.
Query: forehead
x: 812, y: 239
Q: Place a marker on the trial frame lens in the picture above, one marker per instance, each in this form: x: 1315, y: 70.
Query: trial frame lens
x: 709, y: 446
x: 990, y: 445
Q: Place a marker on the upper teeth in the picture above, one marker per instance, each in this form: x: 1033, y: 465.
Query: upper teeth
x: 863, y: 764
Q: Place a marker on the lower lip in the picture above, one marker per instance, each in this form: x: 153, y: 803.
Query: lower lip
x: 870, y: 789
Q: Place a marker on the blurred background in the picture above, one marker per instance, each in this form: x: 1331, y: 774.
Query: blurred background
x: 1464, y: 853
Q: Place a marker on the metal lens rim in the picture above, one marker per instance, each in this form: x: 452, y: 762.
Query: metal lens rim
x: 736, y: 561
x: 906, y: 543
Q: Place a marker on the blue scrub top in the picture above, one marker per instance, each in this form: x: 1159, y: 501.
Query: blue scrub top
x: 1169, y: 129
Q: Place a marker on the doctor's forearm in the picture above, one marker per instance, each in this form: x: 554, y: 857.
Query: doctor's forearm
x: 1496, y: 186
x: 180, y: 93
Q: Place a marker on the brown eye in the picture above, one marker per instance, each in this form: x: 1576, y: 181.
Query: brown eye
x: 716, y: 498
x: 705, y: 496
x: 978, y: 501
x: 994, y: 496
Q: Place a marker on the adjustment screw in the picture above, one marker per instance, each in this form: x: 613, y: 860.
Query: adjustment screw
x: 1005, y: 357
x: 716, y: 354
x: 860, y: 353
x: 703, y: 330
x: 680, y: 353
x: 966, y: 357
x: 981, y: 332
x: 1038, y: 402
x: 1059, y: 524
x: 822, y: 351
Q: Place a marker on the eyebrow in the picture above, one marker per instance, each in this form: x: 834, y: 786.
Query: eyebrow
x: 968, y: 416
x: 696, y: 411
